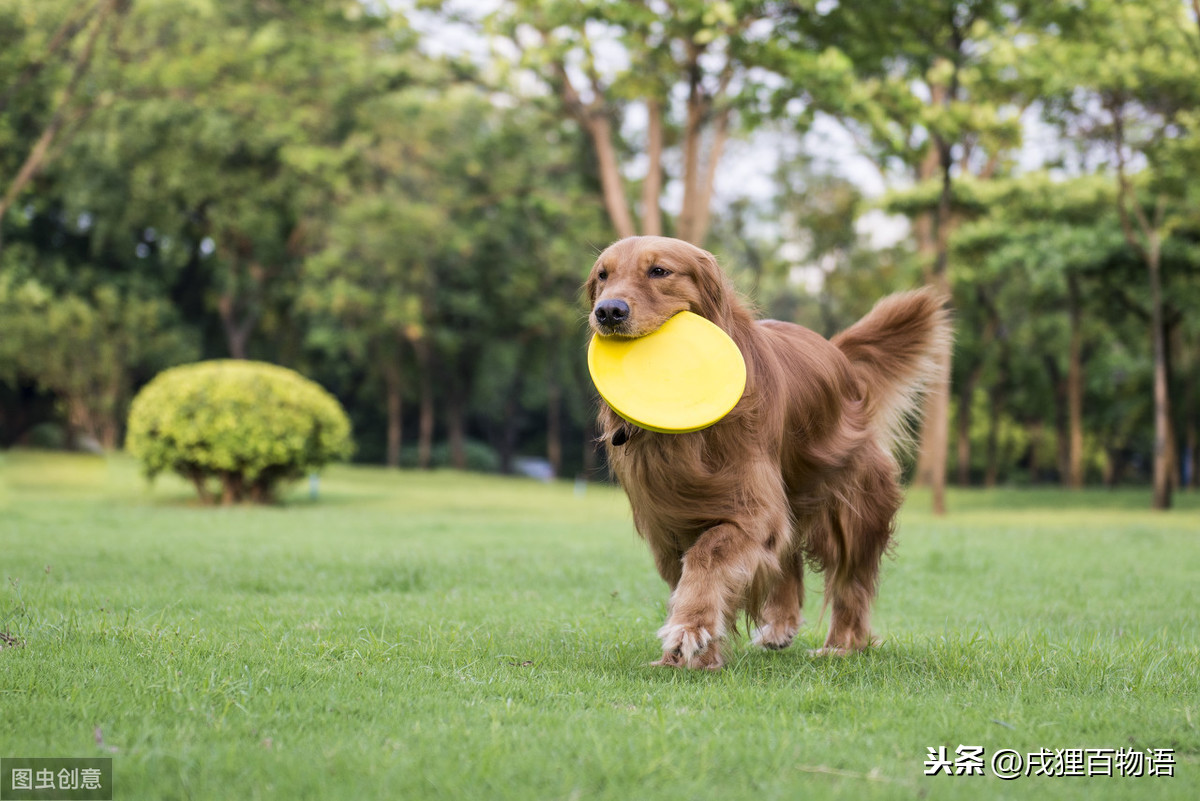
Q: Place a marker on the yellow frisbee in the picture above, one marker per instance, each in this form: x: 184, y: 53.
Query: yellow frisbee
x: 683, y: 377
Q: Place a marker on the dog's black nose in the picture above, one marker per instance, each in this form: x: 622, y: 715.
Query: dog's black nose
x: 611, y: 312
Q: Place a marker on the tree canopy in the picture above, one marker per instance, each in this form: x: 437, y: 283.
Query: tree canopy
x: 401, y: 201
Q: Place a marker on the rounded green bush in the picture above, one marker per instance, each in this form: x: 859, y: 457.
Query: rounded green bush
x: 246, y: 425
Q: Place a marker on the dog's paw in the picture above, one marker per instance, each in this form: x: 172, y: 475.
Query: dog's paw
x: 775, y: 637
x: 669, y: 659
x: 846, y: 650
x: 836, y: 648
x: 708, y: 659
x: 687, y: 641
x: 830, y: 651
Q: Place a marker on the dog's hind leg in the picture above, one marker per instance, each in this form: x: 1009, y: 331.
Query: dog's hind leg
x: 850, y: 627
x: 861, y: 536
x: 780, y: 617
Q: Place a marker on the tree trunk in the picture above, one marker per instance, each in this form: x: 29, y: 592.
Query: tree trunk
x: 1149, y: 246
x: 704, y: 191
x: 237, y: 333
x: 926, y: 248
x: 991, y: 450
x: 233, y: 489
x: 237, y: 323
x: 512, y: 409
x: 1036, y: 432
x: 1074, y: 474
x: 963, y: 450
x: 393, y: 388
x: 935, y: 434
x: 923, y: 224
x: 200, y: 482
x: 460, y: 369
x: 456, y: 430
x: 691, y: 165
x: 554, y: 421
x: 933, y: 239
x: 1170, y: 348
x: 698, y: 177
x: 110, y: 435
x: 81, y: 420
x: 652, y: 186
x: 1193, y: 450
x: 1061, y: 435
x: 1191, y: 437
x: 593, y: 118
x: 966, y: 395
x: 611, y: 183
x: 967, y: 392
x: 1162, y: 402
x: 33, y: 163
x: 426, y: 412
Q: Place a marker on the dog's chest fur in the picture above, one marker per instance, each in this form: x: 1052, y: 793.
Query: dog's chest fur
x: 679, y: 485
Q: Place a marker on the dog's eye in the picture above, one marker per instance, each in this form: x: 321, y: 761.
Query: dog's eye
x: 659, y: 272
x: 602, y: 275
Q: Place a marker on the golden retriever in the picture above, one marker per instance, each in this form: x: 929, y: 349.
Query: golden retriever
x: 802, y: 470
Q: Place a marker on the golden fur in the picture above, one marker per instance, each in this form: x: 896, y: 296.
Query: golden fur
x: 802, y: 470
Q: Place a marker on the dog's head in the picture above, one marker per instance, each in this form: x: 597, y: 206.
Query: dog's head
x: 639, y: 283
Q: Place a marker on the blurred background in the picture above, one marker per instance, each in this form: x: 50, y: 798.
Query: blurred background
x: 400, y: 200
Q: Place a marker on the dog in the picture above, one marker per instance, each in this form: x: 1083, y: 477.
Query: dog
x: 802, y: 470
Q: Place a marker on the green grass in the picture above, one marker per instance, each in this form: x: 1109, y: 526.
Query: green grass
x: 451, y: 636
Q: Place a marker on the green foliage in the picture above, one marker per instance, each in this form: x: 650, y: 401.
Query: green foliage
x: 1018, y: 447
x: 904, y: 75
x: 312, y: 184
x: 1031, y: 249
x: 247, y: 424
x: 479, y: 458
x: 88, y: 347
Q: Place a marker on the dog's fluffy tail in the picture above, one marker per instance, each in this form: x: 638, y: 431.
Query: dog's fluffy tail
x: 897, y: 352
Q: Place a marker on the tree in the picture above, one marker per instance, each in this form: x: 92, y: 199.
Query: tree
x: 372, y: 267
x: 450, y: 257
x: 88, y: 348
x: 1126, y: 77
x: 914, y: 82
x: 683, y: 63
x: 64, y: 109
x: 218, y: 115
x: 1040, y: 246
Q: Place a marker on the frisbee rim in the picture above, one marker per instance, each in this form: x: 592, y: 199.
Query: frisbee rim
x: 738, y: 368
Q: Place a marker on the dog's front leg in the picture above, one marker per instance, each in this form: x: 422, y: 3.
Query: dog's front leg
x: 717, y: 571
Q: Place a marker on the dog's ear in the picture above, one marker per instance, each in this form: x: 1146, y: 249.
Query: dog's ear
x: 716, y: 293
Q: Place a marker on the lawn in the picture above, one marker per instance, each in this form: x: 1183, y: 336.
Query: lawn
x: 449, y: 636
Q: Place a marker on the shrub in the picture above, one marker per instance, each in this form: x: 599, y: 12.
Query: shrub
x: 246, y: 425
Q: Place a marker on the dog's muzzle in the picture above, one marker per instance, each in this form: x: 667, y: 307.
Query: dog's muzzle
x: 611, y: 315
